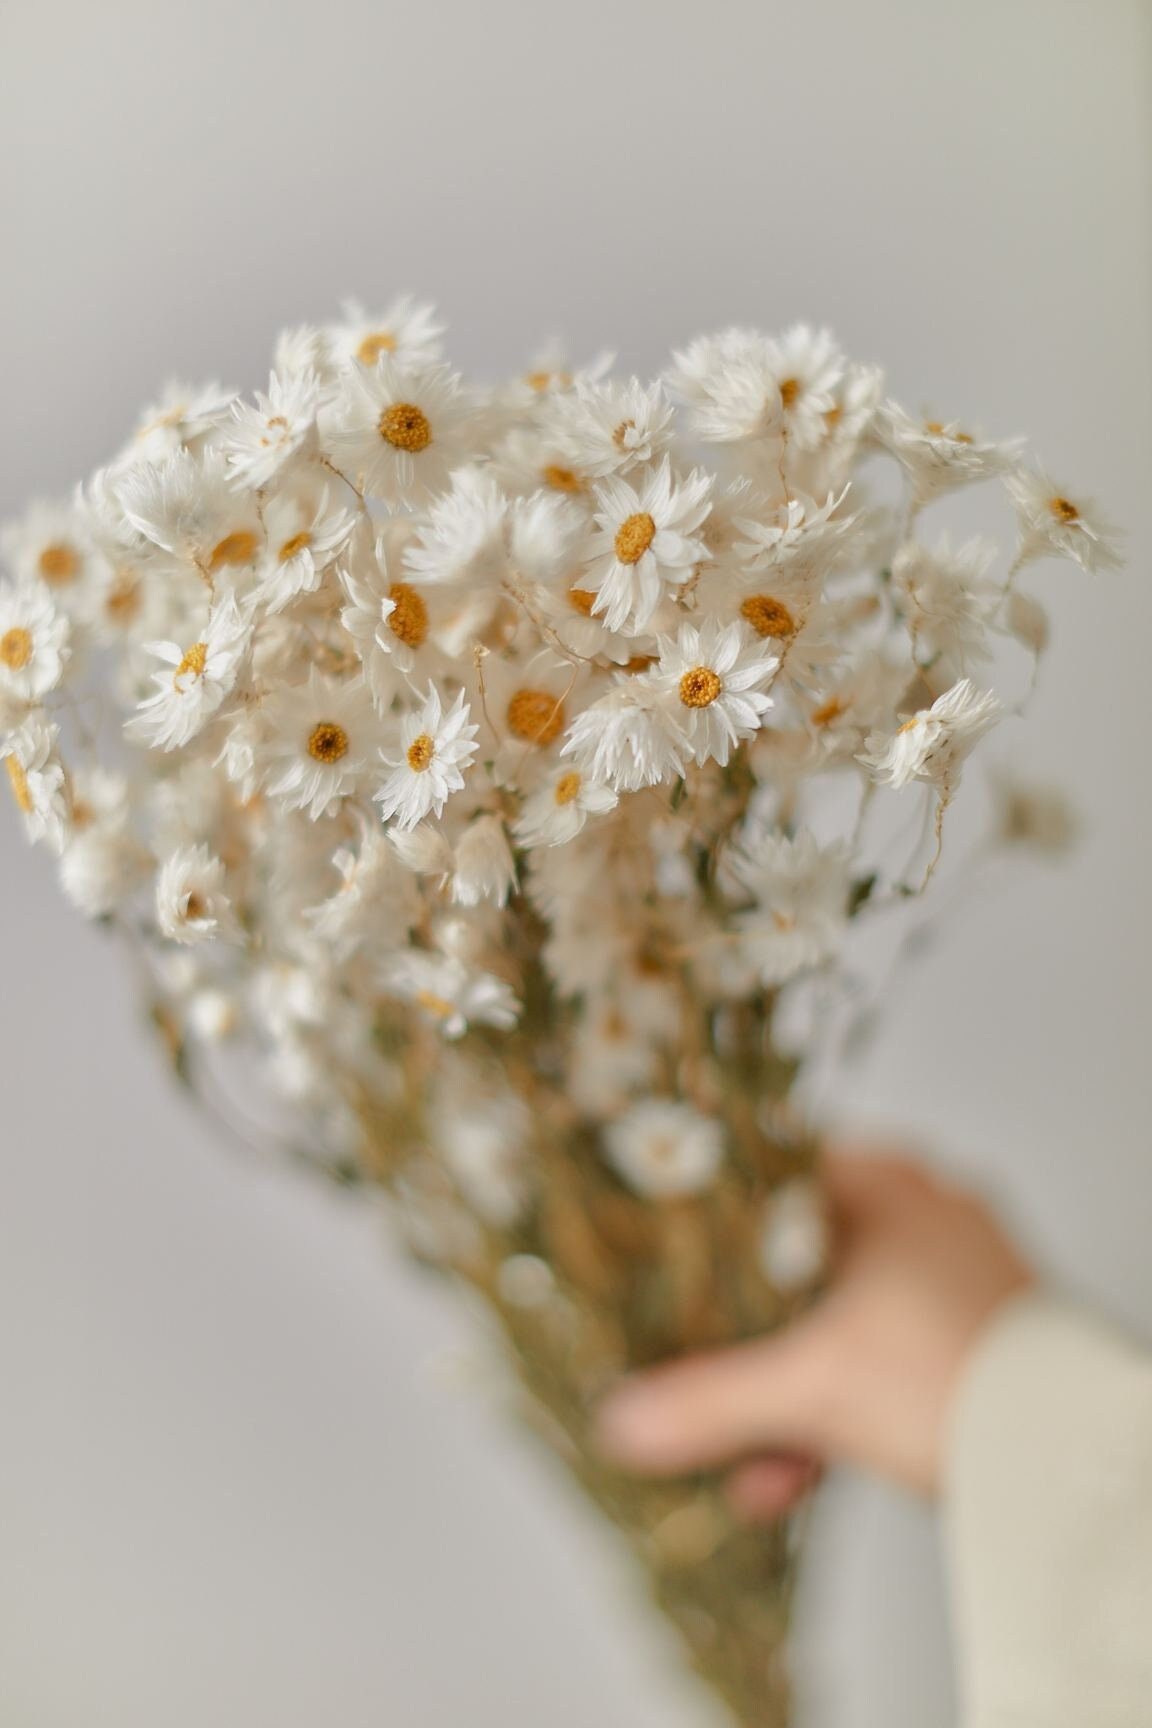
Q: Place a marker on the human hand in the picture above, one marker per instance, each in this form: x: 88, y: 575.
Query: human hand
x: 866, y: 1377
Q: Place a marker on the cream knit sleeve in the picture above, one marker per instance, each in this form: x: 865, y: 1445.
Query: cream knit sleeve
x: 1048, y: 1521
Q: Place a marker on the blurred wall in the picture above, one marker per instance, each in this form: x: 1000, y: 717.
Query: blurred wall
x: 246, y: 1474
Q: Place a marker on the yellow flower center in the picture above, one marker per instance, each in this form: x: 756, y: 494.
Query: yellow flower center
x: 622, y: 432
x: 909, y: 725
x: 59, y: 562
x: 408, y: 621
x: 562, y: 479
x: 377, y: 342
x: 195, y: 907
x: 1064, y: 510
x: 790, y: 389
x: 567, y: 787
x: 327, y: 742
x: 829, y: 711
x: 545, y: 380
x: 238, y: 548
x: 122, y: 601
x: 19, y: 783
x: 768, y: 617
x: 436, y: 1005
x: 939, y: 430
x: 16, y: 648
x: 194, y: 662
x: 700, y: 687
x: 833, y: 416
x: 582, y: 600
x: 298, y: 543
x: 405, y: 427
x: 536, y: 716
x: 639, y: 663
x: 634, y: 536
x: 420, y: 753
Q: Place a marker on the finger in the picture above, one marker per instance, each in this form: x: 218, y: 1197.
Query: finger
x: 763, y: 1489
x: 756, y: 1397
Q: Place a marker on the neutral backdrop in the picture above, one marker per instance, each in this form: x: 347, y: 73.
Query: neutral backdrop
x: 249, y: 1473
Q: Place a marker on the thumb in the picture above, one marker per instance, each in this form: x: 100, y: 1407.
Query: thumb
x: 709, y: 1410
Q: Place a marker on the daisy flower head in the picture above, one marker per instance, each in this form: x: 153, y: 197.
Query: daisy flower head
x: 712, y: 681
x: 741, y: 386
x: 1052, y: 523
x: 664, y: 1149
x: 557, y: 810
x: 932, y: 745
x: 644, y: 544
x: 610, y: 428
x: 187, y: 507
x: 484, y: 868
x: 191, y: 904
x: 50, y: 545
x: 33, y: 643
x: 276, y: 432
x: 319, y: 739
x: 304, y: 534
x: 939, y: 455
x: 800, y: 890
x: 435, y: 751
x: 37, y: 781
x: 184, y: 418
x: 398, y: 429
x: 448, y: 993
x: 628, y: 739
x: 194, y: 680
x: 463, y: 538
x: 406, y: 329
x: 951, y: 600
x: 798, y: 534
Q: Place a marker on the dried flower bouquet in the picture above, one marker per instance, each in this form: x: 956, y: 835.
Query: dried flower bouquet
x: 502, y: 766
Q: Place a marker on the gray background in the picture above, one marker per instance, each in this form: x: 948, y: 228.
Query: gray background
x: 247, y: 1476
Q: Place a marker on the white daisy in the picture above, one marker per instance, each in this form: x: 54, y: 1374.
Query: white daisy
x: 33, y: 642
x: 627, y: 739
x: 50, y: 544
x: 712, y: 682
x: 319, y: 742
x: 1052, y: 522
x: 406, y: 330
x: 304, y: 534
x: 609, y: 428
x: 939, y: 455
x: 37, y: 780
x: 740, y: 385
x: 950, y: 599
x: 191, y: 904
x: 449, y: 993
x: 102, y: 864
x: 557, y: 811
x: 798, y: 535
x: 932, y: 745
x: 484, y: 866
x: 643, y: 545
x: 377, y: 902
x: 275, y: 432
x: 664, y: 1149
x: 184, y: 417
x: 463, y: 538
x: 435, y: 750
x: 398, y: 430
x: 187, y: 507
x: 801, y: 895
x: 195, y: 680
